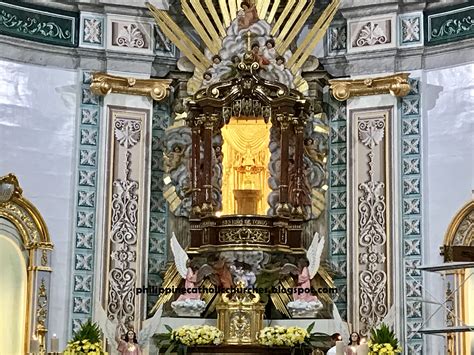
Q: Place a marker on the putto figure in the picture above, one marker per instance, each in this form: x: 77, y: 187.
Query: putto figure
x: 247, y: 16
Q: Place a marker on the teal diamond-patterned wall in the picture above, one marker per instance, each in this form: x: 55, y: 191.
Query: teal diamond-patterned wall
x: 157, y: 250
x: 411, y: 208
x: 337, y: 201
x: 86, y: 200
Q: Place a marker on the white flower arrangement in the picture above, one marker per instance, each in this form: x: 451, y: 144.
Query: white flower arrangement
x: 281, y: 336
x: 197, y: 335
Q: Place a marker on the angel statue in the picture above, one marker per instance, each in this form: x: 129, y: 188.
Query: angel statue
x: 189, y: 303
x: 128, y: 344
x: 131, y: 343
x: 305, y: 304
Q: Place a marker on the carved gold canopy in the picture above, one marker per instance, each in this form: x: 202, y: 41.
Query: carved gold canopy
x: 248, y: 95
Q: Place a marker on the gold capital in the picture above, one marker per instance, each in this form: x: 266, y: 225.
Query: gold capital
x: 103, y: 84
x: 396, y: 85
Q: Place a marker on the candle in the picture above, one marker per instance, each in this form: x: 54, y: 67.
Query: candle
x: 363, y: 348
x: 339, y: 348
x: 34, y: 345
x: 54, y: 344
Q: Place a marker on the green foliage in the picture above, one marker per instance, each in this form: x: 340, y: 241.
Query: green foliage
x: 383, y: 335
x: 88, y: 331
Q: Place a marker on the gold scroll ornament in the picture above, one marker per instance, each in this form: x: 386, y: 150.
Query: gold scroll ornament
x: 103, y: 84
x: 396, y: 84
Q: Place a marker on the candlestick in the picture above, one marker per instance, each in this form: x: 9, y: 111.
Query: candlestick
x: 34, y: 345
x: 54, y: 344
x: 339, y: 348
x: 363, y: 349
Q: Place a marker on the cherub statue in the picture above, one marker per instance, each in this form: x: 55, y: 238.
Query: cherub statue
x: 247, y: 16
x: 232, y: 70
x: 246, y: 277
x: 222, y: 271
x: 207, y: 79
x: 279, y: 63
x: 311, y: 151
x: 173, y: 158
x: 258, y: 57
x: 269, y: 51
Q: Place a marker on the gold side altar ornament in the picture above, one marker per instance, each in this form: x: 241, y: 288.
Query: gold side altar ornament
x: 396, y: 84
x: 240, y: 316
x: 104, y: 84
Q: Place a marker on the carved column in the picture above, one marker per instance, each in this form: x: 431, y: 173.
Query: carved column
x: 299, y: 137
x: 125, y: 244
x: 283, y: 208
x: 372, y: 239
x: 195, y: 167
x: 207, y: 173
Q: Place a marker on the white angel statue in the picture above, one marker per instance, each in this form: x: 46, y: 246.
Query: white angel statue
x: 189, y: 303
x: 131, y: 343
x: 304, y: 303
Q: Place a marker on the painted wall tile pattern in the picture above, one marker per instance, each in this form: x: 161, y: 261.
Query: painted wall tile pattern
x: 336, y: 38
x: 447, y: 25
x: 86, y: 201
x: 163, y: 46
x: 157, y: 247
x: 92, y: 30
x: 38, y: 23
x: 411, y: 227
x: 410, y: 29
x: 337, y: 202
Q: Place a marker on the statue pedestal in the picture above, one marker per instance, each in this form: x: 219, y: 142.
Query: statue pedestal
x: 247, y: 201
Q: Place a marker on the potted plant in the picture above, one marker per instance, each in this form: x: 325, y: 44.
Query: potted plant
x: 86, y: 340
x: 383, y: 341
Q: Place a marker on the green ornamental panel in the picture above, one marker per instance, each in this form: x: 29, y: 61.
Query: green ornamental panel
x: 39, y: 24
x: 449, y: 24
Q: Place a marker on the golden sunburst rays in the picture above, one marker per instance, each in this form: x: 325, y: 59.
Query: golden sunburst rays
x: 288, y: 34
x: 314, y: 36
x: 197, y: 16
x: 211, y: 20
x: 180, y: 39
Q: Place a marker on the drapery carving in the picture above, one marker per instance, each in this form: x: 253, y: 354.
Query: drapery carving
x: 245, y: 157
x: 247, y: 136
